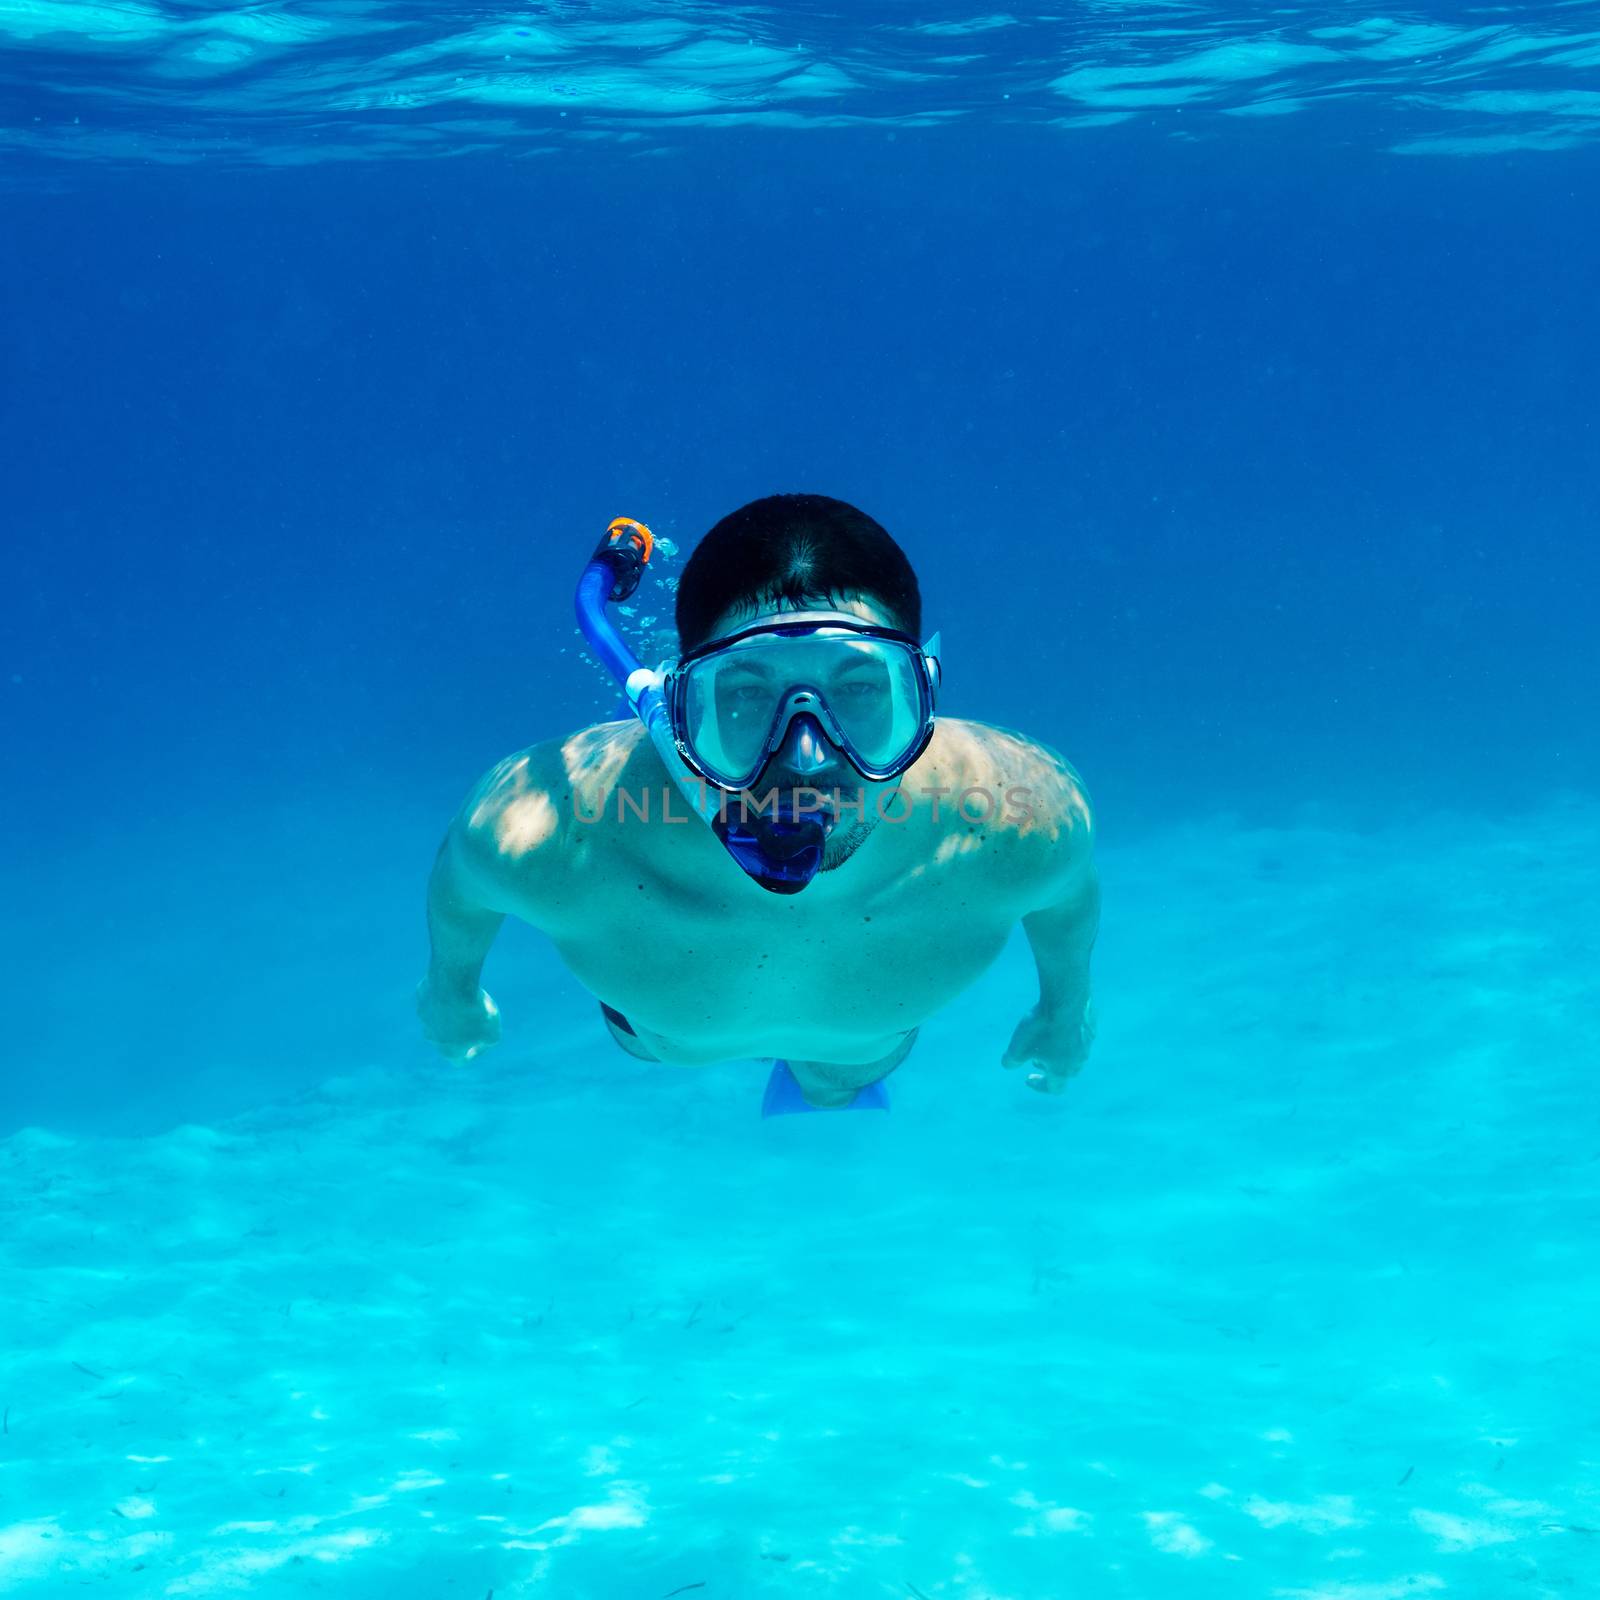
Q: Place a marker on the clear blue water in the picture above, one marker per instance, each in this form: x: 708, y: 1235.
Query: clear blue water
x: 1228, y: 375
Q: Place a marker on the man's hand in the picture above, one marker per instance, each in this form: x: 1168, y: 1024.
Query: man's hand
x: 462, y: 1026
x: 1052, y: 1047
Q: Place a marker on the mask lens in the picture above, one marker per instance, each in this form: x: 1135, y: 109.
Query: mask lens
x: 729, y: 702
x: 872, y: 692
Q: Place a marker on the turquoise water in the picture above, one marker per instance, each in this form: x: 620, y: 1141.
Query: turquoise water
x: 1291, y: 1295
x: 1227, y: 375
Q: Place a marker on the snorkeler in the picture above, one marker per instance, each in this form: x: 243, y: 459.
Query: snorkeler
x: 783, y: 853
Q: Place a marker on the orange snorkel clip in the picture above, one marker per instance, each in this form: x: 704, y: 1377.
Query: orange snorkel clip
x: 626, y: 548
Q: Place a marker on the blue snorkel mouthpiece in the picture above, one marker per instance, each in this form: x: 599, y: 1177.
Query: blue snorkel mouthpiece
x: 781, y: 850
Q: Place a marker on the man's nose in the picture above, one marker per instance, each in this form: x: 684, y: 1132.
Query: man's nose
x: 805, y: 750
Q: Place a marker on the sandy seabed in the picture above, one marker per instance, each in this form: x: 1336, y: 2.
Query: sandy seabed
x: 1294, y: 1295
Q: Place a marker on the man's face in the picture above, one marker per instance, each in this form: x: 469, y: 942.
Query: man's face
x: 807, y: 759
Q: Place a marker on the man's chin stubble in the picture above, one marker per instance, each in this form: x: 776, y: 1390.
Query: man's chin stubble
x: 844, y: 843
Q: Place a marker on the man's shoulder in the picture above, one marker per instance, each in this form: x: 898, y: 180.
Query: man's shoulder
x: 1011, y: 809
x: 1020, y: 784
x: 523, y: 807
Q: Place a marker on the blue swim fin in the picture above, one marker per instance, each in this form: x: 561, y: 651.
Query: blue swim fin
x: 783, y: 1096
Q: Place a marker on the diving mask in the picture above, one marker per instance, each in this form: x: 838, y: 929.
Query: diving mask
x: 869, y: 689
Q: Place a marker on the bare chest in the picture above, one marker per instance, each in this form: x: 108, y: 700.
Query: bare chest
x: 755, y: 973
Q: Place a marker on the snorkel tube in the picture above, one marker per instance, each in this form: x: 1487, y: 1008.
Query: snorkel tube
x: 780, y: 850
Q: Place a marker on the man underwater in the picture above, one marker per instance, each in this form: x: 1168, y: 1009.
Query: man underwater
x: 864, y: 860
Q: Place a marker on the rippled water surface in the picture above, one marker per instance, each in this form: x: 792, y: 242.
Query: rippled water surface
x: 365, y: 81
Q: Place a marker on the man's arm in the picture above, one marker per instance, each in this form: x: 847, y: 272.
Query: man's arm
x: 1054, y: 1039
x: 1062, y: 936
x: 484, y: 857
x: 461, y: 925
x: 456, y: 1012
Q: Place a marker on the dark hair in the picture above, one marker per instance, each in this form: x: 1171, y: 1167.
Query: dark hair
x: 788, y: 548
